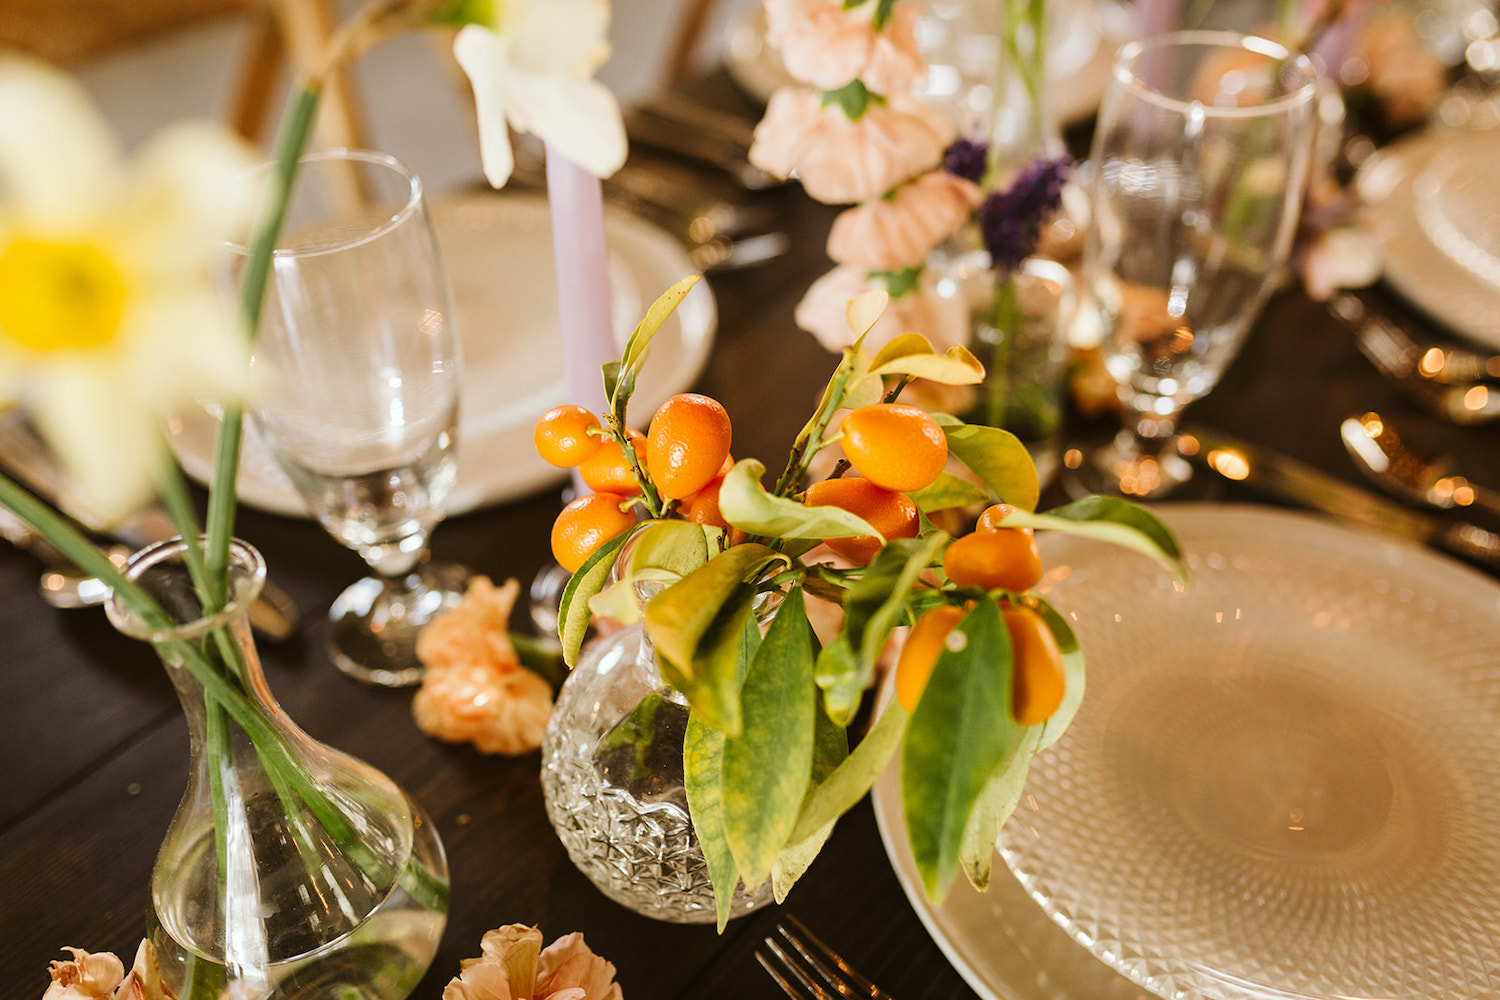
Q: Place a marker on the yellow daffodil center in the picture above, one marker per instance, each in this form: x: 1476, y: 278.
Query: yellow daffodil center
x: 57, y: 296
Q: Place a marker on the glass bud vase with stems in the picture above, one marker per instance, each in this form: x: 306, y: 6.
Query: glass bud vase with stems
x: 289, y: 870
x: 614, y: 784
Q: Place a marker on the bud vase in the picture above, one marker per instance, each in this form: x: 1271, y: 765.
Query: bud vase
x: 612, y: 776
x: 289, y: 870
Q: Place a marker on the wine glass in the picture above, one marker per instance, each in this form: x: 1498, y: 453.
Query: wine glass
x: 355, y: 392
x: 1199, y: 163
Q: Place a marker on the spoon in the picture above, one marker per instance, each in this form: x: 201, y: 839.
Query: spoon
x: 1379, y: 452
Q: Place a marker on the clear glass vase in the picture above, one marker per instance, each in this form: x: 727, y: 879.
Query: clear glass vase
x: 612, y: 777
x: 289, y: 870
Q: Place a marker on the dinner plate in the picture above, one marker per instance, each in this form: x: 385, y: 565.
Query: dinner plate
x: 497, y: 250
x: 1078, y: 65
x: 1284, y: 780
x: 1435, y: 202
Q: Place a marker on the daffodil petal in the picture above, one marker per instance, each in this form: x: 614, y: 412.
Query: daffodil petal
x: 561, y: 37
x: 481, y: 54
x: 187, y: 347
x: 105, y: 442
x: 580, y: 119
x: 58, y: 159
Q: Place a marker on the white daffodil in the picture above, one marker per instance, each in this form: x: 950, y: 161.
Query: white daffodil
x: 108, y: 316
x: 531, y: 64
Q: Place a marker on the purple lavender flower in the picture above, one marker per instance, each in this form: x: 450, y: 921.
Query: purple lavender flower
x: 1011, y: 220
x: 966, y: 159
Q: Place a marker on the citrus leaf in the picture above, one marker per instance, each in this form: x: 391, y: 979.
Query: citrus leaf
x: 830, y: 749
x: 711, y: 678
x: 996, y: 802
x: 702, y: 767
x: 768, y: 765
x: 948, y: 491
x: 678, y: 617
x: 837, y: 674
x: 746, y: 505
x: 911, y: 354
x: 1073, y: 683
x: 960, y: 733
x: 640, y: 340
x: 867, y: 390
x: 997, y: 457
x: 677, y: 547
x: 849, y: 782
x: 862, y: 312
x: 573, y: 610
x: 1114, y: 520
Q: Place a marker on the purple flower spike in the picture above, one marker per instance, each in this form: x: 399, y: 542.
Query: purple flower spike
x: 1011, y: 220
x: 966, y: 159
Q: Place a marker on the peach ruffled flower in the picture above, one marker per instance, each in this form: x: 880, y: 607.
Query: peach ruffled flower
x: 101, y: 976
x: 839, y: 160
x: 943, y: 319
x: 828, y: 45
x: 475, y: 689
x: 514, y: 966
x: 889, y: 234
x: 1405, y: 77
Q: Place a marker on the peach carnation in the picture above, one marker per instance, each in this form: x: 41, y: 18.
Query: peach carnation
x: 942, y: 319
x: 826, y: 44
x: 101, y: 976
x: 889, y: 234
x: 514, y: 966
x: 841, y: 160
x: 475, y: 689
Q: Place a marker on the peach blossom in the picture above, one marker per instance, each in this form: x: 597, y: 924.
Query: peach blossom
x: 824, y: 44
x: 478, y: 630
x: 888, y: 234
x: 1404, y: 75
x: 942, y: 319
x: 514, y: 966
x: 86, y: 976
x: 839, y: 160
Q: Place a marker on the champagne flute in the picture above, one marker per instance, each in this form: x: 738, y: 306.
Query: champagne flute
x: 355, y: 393
x: 1199, y: 164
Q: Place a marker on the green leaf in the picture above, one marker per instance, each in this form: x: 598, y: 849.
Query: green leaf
x: 702, y: 766
x: 1113, y: 520
x: 849, y: 782
x: 711, y: 679
x: 997, y: 457
x: 1001, y: 794
x: 678, y: 617
x: 1073, y: 683
x: 949, y: 491
x: 678, y: 547
x: 830, y: 749
x: 864, y: 310
x: 768, y: 765
x: 573, y: 610
x: 853, y: 98
x: 897, y: 283
x: 640, y: 340
x: 746, y: 505
x: 837, y: 674
x: 911, y: 354
x: 960, y: 733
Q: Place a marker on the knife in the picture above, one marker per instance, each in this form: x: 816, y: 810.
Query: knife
x: 1288, y: 479
x: 26, y: 459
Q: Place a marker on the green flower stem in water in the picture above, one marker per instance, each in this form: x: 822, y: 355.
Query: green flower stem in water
x: 1005, y: 317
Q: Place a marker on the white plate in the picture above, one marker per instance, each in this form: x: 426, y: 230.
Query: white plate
x: 1078, y: 65
x: 1284, y: 780
x: 497, y: 250
x: 1411, y: 190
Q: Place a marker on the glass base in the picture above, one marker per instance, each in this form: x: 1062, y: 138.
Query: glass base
x: 1124, y: 468
x: 376, y: 622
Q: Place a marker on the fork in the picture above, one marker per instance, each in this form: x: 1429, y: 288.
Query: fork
x: 807, y: 969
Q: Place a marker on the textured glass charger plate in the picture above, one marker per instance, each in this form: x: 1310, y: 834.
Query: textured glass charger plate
x: 1435, y: 201
x: 497, y: 250
x: 1285, y: 779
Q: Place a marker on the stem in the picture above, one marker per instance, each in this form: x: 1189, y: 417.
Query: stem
x: 1006, y: 317
x: 800, y: 456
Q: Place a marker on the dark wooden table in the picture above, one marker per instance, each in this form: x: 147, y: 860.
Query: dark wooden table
x: 93, y: 747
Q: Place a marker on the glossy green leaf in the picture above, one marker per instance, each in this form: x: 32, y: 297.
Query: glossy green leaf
x: 997, y: 801
x: 1113, y: 520
x: 677, y: 547
x: 768, y: 765
x: 830, y: 749
x: 911, y: 354
x: 746, y: 505
x: 837, y: 674
x: 949, y: 491
x: 960, y: 732
x: 1073, y: 684
x: 711, y: 679
x: 640, y: 340
x: 863, y: 311
x: 850, y: 780
x: 702, y: 766
x: 997, y: 457
x: 573, y: 610
x: 678, y: 617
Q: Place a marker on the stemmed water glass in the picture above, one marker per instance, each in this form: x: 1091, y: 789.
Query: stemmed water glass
x: 1199, y: 163
x: 355, y: 392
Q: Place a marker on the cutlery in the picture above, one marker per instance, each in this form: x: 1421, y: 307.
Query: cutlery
x: 811, y: 970
x: 1288, y: 479
x: 1377, y: 448
x: 26, y: 459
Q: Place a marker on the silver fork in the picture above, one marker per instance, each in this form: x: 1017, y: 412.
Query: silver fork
x: 807, y: 969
